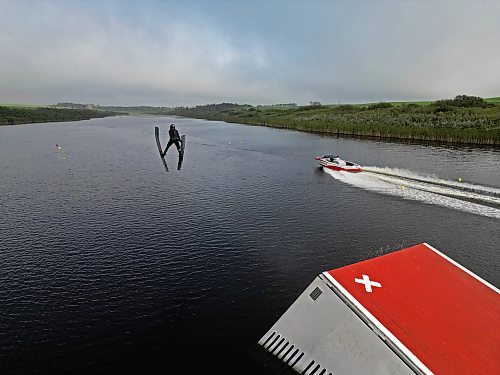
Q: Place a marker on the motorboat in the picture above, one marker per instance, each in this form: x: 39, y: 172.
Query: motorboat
x: 337, y: 164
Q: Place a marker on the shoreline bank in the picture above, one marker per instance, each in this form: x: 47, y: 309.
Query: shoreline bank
x: 24, y: 115
x: 463, y: 120
x: 379, y: 135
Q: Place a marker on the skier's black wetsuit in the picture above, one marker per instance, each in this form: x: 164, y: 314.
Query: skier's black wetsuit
x: 174, y: 139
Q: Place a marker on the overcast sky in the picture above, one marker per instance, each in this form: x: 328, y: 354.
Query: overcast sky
x: 170, y: 53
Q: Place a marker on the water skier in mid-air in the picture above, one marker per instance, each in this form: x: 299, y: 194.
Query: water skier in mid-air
x: 174, y: 139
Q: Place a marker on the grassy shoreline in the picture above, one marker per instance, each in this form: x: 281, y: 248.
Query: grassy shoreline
x: 465, y: 119
x: 26, y: 114
x: 452, y: 121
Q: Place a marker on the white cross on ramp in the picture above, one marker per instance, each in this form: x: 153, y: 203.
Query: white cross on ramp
x: 368, y: 284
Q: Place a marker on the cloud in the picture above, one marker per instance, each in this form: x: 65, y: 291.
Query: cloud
x: 76, y: 52
x: 185, y: 53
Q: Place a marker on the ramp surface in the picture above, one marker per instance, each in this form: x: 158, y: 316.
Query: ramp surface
x: 411, y: 311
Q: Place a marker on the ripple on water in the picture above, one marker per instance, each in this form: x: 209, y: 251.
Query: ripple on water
x: 108, y: 262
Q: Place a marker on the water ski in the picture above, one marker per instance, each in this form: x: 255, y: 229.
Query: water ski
x: 160, y: 150
x: 183, y: 144
x: 181, y: 152
x: 158, y: 143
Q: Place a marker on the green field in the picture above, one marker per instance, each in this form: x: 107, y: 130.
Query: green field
x: 495, y: 100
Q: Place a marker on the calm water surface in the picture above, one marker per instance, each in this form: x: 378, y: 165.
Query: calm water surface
x: 108, y: 263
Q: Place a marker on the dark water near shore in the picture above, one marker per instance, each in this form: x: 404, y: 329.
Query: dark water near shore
x: 108, y: 263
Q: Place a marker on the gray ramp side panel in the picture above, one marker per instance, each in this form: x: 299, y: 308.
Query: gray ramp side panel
x: 328, y: 332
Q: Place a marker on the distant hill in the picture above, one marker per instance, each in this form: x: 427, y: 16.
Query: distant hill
x: 120, y: 109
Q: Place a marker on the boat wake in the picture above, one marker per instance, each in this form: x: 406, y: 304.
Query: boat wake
x: 472, y: 198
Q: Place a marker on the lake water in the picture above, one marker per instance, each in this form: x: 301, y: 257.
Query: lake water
x: 110, y: 263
